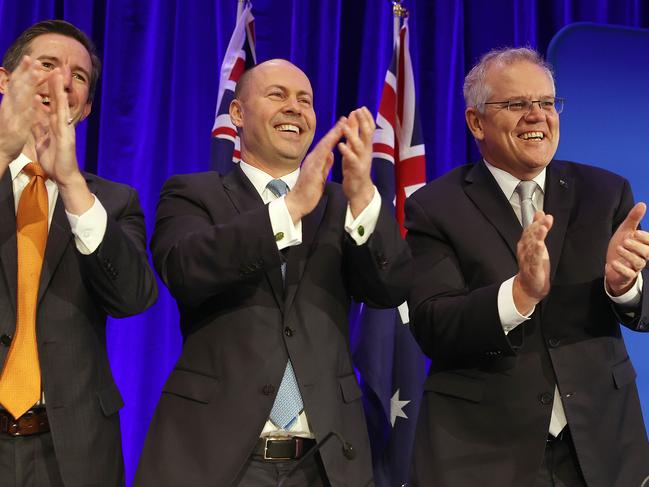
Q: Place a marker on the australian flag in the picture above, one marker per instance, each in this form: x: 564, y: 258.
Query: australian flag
x: 389, y: 361
x: 239, y: 56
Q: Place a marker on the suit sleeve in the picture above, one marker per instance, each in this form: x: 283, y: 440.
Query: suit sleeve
x: 198, y: 257
x: 118, y: 271
x: 449, y: 320
x: 379, y: 270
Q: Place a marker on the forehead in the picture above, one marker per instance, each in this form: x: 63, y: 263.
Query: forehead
x: 521, y: 78
x: 282, y: 74
x: 60, y: 47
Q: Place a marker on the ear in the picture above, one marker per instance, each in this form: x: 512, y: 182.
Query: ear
x: 236, y: 113
x: 4, y: 80
x: 474, y: 122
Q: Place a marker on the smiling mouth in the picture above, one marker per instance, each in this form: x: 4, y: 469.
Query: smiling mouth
x: 45, y: 100
x: 287, y: 127
x: 532, y: 136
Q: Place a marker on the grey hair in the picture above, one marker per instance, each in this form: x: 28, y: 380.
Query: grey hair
x: 477, y: 91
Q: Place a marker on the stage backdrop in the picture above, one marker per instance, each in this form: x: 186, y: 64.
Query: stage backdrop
x: 155, y: 106
x: 603, y: 72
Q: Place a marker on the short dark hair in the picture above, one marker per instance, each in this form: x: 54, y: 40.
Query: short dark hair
x: 21, y: 47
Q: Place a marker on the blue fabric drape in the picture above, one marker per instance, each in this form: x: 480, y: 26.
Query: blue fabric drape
x: 155, y: 106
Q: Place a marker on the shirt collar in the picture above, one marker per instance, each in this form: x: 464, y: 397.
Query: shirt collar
x: 18, y: 164
x: 508, y: 183
x: 260, y: 179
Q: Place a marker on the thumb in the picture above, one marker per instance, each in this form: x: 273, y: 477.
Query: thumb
x: 632, y: 220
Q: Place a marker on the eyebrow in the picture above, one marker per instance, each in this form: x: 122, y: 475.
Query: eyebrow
x: 46, y: 57
x: 283, y: 88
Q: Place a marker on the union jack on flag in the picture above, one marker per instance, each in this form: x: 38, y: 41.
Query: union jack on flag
x: 239, y: 56
x: 399, y: 161
x: 388, y: 359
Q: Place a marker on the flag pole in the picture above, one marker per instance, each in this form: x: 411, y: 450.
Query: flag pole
x: 399, y: 12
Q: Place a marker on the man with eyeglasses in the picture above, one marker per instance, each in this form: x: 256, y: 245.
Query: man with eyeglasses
x: 526, y: 266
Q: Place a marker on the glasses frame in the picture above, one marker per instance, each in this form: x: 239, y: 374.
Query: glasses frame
x: 507, y: 104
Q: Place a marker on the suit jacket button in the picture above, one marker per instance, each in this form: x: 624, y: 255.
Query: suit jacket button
x: 554, y: 342
x: 268, y: 389
x: 546, y: 398
x: 5, y: 340
x: 288, y: 331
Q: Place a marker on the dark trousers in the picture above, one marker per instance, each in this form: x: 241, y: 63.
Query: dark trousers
x: 560, y: 467
x: 260, y: 473
x: 28, y: 461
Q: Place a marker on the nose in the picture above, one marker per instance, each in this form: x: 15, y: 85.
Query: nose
x: 292, y: 105
x: 66, y: 72
x: 535, y: 111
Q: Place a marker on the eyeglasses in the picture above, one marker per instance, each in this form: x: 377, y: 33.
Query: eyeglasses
x: 550, y: 105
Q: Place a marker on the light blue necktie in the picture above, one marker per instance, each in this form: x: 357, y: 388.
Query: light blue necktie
x: 288, y: 403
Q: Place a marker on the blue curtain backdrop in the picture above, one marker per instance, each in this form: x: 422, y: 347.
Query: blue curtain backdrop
x: 154, y: 109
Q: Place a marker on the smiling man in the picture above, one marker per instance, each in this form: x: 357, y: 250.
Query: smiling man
x: 525, y: 265
x: 263, y: 263
x: 72, y: 251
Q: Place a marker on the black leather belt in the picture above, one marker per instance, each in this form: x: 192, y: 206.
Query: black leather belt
x: 282, y: 448
x: 32, y: 422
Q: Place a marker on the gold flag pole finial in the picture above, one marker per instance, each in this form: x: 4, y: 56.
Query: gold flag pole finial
x: 398, y: 10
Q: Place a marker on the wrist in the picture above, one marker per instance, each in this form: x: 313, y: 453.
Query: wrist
x: 523, y: 301
x: 75, y: 194
x: 293, y: 206
x: 361, y: 200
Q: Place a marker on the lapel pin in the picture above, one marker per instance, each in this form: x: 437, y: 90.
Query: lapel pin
x: 563, y: 183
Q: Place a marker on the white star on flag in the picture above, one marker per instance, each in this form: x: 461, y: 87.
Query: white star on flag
x: 396, y: 408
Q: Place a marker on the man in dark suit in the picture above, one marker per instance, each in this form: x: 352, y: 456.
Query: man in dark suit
x: 72, y: 251
x: 263, y: 280
x: 530, y: 383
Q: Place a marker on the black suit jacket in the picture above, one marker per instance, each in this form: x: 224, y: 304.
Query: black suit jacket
x: 76, y: 294
x: 488, y: 397
x: 214, y: 247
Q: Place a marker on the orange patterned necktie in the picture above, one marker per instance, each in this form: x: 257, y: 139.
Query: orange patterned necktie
x: 20, y: 382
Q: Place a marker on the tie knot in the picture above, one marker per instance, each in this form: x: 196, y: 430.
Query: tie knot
x: 525, y: 189
x: 277, y: 187
x: 34, y: 169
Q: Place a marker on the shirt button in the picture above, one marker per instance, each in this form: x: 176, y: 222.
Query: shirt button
x: 86, y: 234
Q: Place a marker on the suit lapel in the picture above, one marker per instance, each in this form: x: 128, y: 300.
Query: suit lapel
x: 298, y: 255
x: 484, y: 191
x: 8, y: 249
x: 58, y: 238
x: 244, y: 197
x: 557, y: 201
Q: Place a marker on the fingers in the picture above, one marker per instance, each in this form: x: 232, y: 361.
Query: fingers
x: 58, y: 100
x: 634, y: 216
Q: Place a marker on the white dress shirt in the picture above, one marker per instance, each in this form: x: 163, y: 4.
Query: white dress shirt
x: 281, y: 221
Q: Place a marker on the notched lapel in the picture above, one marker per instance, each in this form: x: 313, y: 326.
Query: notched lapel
x: 558, y: 200
x: 297, y: 256
x: 484, y: 191
x: 58, y: 238
x: 8, y: 249
x: 244, y: 197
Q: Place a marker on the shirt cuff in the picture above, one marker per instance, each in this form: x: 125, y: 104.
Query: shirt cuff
x: 631, y: 298
x: 361, y: 228
x: 510, y: 318
x: 286, y: 233
x: 89, y: 228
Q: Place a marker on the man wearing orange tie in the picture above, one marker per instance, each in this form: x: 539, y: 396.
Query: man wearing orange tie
x: 72, y: 251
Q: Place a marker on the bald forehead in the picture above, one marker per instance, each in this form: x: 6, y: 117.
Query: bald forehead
x: 268, y: 73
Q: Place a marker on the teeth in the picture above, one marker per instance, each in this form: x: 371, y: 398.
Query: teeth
x: 288, y: 128
x: 532, y: 135
x: 45, y: 100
